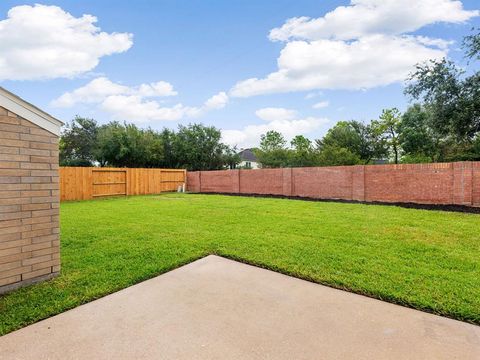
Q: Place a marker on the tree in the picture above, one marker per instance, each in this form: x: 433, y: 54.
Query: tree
x: 331, y: 155
x: 357, y: 138
x: 198, y: 147
x: 231, y: 157
x: 167, y: 137
x: 273, y: 152
x: 387, y: 128
x: 78, y: 142
x: 301, y: 144
x: 471, y: 44
x: 419, y: 142
x: 452, y: 97
x: 125, y: 145
x: 272, y: 140
x: 302, y: 153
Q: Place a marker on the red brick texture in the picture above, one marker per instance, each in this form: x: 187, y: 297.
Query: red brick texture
x: 444, y: 183
x: 29, y: 199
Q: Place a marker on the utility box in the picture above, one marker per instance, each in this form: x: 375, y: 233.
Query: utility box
x: 29, y: 193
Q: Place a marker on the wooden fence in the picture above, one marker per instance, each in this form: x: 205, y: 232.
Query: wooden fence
x: 84, y: 183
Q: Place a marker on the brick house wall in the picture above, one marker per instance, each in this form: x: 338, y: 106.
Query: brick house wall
x: 443, y: 183
x: 29, y: 202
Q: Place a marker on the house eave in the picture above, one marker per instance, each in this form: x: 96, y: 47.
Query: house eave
x: 29, y: 112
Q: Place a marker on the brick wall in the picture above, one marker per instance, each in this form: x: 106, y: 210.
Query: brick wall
x: 443, y: 183
x: 29, y: 202
x: 267, y: 181
x: 417, y: 183
x: 323, y: 182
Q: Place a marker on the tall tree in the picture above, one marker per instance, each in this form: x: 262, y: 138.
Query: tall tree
x: 272, y: 152
x: 199, y: 147
x: 78, y: 142
x: 387, y: 130
x: 302, y: 153
x: 168, y: 139
x: 357, y: 137
x: 417, y: 139
x: 125, y: 145
x: 452, y: 97
x: 272, y: 140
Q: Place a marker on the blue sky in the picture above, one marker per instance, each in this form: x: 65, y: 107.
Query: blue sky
x: 350, y: 62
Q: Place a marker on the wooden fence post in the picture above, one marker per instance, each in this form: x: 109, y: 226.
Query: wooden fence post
x: 185, y: 180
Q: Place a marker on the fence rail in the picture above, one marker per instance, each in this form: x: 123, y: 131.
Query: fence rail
x: 84, y: 183
x: 442, y: 183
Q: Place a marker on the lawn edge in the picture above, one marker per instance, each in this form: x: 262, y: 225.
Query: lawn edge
x: 406, y: 205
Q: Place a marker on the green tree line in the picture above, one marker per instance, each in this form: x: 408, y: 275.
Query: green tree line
x: 194, y: 147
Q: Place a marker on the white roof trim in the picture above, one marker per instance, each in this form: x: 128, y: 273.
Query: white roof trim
x: 29, y: 112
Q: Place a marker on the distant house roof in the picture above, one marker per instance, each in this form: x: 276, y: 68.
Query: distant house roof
x: 247, y: 155
x: 29, y: 112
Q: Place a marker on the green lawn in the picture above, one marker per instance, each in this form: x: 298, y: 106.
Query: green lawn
x: 428, y: 260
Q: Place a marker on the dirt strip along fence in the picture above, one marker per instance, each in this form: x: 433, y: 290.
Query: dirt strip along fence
x: 441, y: 183
x: 84, y: 183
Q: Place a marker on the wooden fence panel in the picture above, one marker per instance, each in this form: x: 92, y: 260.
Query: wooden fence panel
x: 83, y: 183
x: 109, y: 182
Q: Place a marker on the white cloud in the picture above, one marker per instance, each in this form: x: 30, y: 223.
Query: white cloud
x: 439, y: 43
x: 100, y: 88
x: 321, y: 105
x: 364, y: 45
x: 134, y: 108
x: 329, y: 64
x: 272, y: 114
x: 367, y: 17
x: 314, y: 94
x: 44, y: 42
x: 249, y: 136
x: 95, y: 91
x: 133, y: 103
x: 160, y: 88
x: 218, y: 101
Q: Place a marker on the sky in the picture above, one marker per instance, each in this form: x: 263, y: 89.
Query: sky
x: 243, y: 66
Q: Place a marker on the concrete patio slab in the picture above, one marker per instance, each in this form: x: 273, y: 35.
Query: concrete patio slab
x: 216, y: 308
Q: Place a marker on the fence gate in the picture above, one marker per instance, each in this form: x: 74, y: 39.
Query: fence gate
x: 109, y: 182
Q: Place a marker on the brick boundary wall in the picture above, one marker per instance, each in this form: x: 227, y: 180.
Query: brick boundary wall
x: 29, y: 203
x: 455, y: 183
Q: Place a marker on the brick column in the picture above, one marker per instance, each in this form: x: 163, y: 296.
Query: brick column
x: 462, y: 183
x: 199, y: 181
x: 358, y: 182
x: 287, y: 182
x: 235, y: 181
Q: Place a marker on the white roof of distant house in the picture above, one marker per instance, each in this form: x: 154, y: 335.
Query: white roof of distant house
x: 29, y: 112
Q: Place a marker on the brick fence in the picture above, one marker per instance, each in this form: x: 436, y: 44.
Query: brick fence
x: 443, y: 183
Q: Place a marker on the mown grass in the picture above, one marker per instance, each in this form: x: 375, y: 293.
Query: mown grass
x: 429, y: 260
